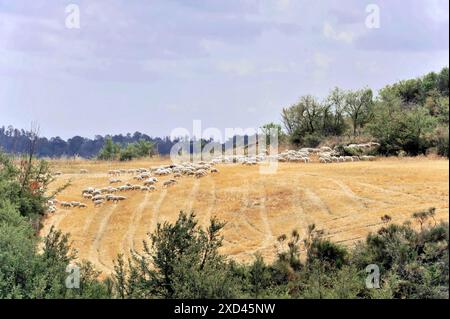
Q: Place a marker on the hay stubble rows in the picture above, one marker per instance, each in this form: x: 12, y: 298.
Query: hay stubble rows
x: 346, y: 200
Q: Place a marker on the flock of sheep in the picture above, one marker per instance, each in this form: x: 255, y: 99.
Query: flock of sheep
x: 149, y: 177
x: 325, y: 155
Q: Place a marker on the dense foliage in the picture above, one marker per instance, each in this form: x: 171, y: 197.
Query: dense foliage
x: 409, y: 117
x: 25, y: 270
x: 182, y: 261
x: 113, y: 151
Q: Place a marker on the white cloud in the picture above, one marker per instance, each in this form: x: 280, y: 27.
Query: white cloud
x: 283, y: 4
x: 237, y: 67
x: 322, y: 60
x: 343, y: 36
x: 437, y: 10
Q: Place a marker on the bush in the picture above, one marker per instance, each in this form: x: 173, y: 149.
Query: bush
x: 417, y: 262
x: 311, y: 140
x: 442, y: 142
x: 112, y: 151
x: 348, y: 151
x: 327, y: 253
x: 181, y: 261
x: 25, y: 273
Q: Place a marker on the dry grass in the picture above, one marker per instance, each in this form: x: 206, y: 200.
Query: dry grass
x: 345, y: 199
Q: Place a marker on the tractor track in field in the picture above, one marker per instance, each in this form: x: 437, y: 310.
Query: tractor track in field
x: 94, y: 252
x: 128, y: 239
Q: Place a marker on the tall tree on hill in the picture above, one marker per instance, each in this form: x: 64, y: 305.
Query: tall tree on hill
x: 358, y: 107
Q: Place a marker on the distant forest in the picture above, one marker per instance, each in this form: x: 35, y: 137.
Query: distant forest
x: 17, y: 141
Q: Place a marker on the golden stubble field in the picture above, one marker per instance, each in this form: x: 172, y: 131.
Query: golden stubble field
x: 346, y: 200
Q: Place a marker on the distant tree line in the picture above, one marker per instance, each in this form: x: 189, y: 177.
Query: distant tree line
x: 109, y: 147
x: 408, y: 117
x: 16, y: 141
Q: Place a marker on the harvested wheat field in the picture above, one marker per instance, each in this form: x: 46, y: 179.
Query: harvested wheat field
x: 346, y: 200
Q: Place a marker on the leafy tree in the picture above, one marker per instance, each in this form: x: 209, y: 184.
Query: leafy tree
x: 442, y: 141
x: 414, y: 264
x: 398, y: 127
x: 25, y: 273
x: 333, y: 113
x: 358, y: 107
x: 182, y: 261
x: 442, y: 82
x: 328, y: 253
x: 260, y: 277
x: 144, y: 148
x: 110, y: 150
x: 416, y: 128
x: 270, y: 129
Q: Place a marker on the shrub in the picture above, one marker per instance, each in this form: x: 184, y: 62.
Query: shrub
x: 181, y: 261
x: 327, y: 253
x: 311, y: 140
x: 442, y: 142
x: 112, y: 151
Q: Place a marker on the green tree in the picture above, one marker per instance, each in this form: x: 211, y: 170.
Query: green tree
x: 416, y: 128
x: 333, y: 113
x: 110, y: 150
x: 303, y: 119
x: 181, y: 261
x: 399, y: 127
x: 270, y: 130
x: 144, y: 148
x: 25, y: 273
x: 358, y: 107
x: 259, y: 277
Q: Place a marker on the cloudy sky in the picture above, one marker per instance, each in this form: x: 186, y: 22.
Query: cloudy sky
x: 155, y: 65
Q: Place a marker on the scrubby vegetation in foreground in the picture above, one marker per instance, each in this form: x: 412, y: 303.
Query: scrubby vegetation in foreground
x: 181, y: 260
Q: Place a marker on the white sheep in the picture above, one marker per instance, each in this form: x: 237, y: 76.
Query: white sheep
x: 98, y: 202
x: 98, y: 197
x: 169, y: 183
x: 66, y: 204
x: 149, y: 182
x: 75, y: 204
x: 201, y: 173
x: 114, y: 181
x: 88, y: 190
x: 87, y: 196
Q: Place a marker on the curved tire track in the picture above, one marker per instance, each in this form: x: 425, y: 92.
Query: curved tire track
x: 191, y: 198
x: 94, y: 252
x: 211, y: 205
x: 155, y: 210
x: 128, y: 239
x: 316, y: 201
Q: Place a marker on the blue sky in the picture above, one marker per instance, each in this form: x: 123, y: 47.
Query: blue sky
x: 156, y: 65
